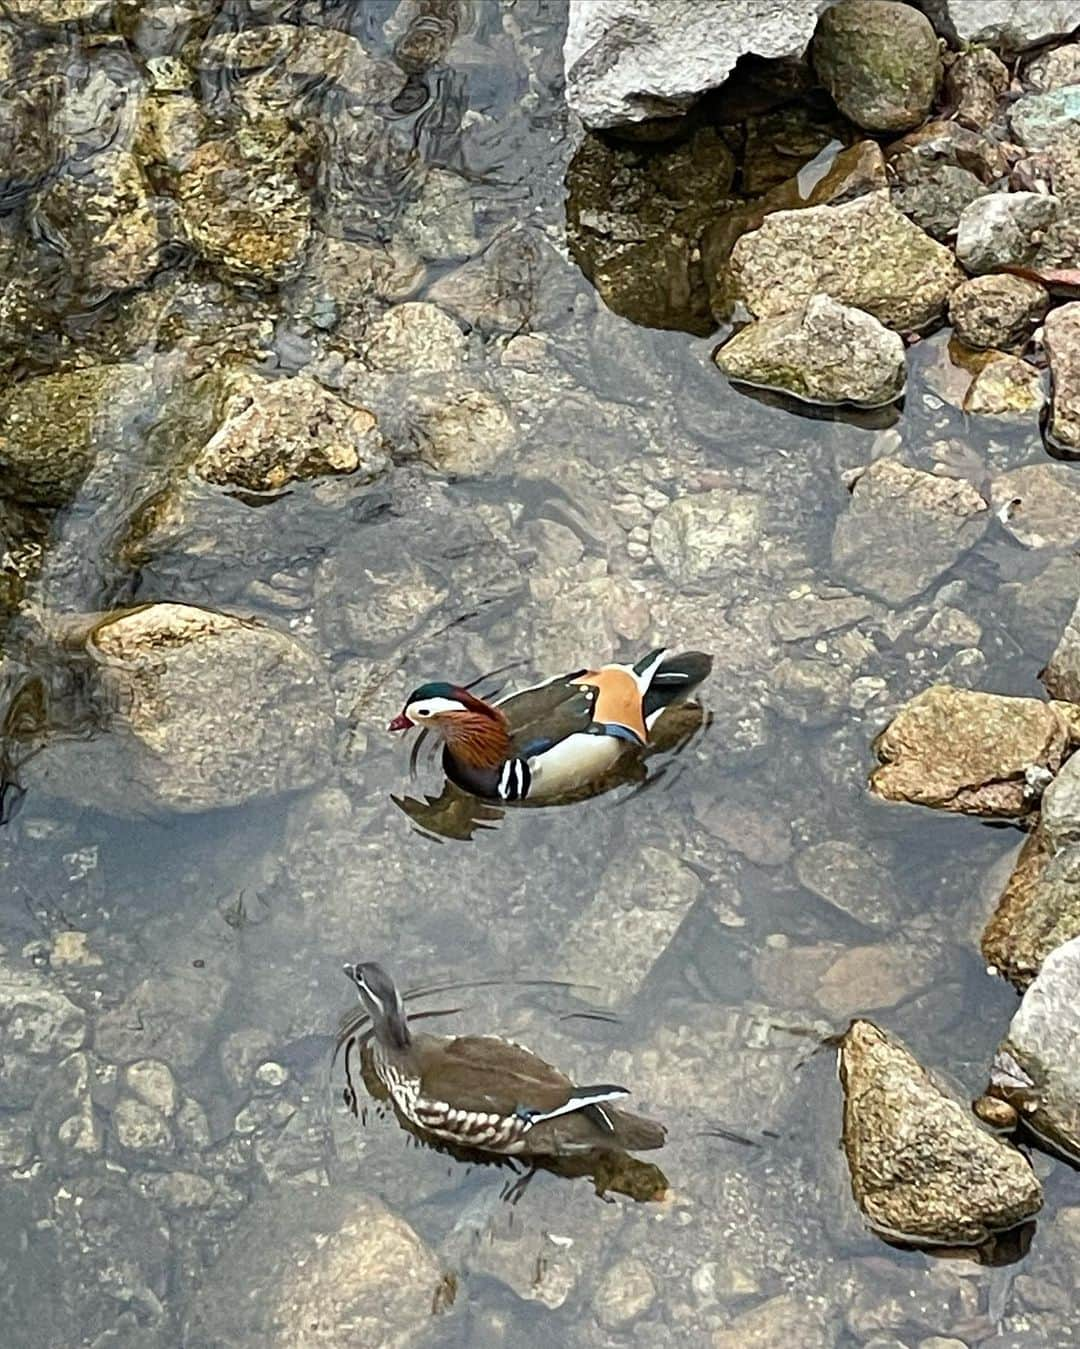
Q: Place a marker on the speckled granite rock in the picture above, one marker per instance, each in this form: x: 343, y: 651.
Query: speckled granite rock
x: 864, y: 253
x: 1062, y: 674
x: 1039, y: 909
x: 997, y: 311
x: 1004, y: 229
x: 1061, y: 336
x: 1010, y: 25
x: 960, y: 750
x: 922, y: 1168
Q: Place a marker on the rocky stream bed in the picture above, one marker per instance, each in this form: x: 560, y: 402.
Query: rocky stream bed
x: 344, y: 346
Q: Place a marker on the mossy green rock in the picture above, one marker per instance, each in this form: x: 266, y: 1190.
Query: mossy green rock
x: 880, y: 61
x: 52, y: 426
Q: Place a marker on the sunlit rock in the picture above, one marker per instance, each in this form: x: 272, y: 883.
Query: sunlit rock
x: 1037, y: 1068
x: 880, y: 62
x: 975, y: 83
x: 922, y: 1169
x: 189, y: 710
x: 864, y: 253
x: 903, y: 528
x: 959, y: 750
x: 629, y: 61
x: 1010, y: 25
x: 823, y: 353
x: 1006, y: 386
x: 997, y: 311
x: 1004, y: 229
x: 273, y: 432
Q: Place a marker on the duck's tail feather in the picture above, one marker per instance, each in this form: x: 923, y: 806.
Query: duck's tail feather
x: 674, y: 679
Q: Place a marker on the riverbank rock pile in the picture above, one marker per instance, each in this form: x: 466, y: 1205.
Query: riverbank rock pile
x: 749, y: 210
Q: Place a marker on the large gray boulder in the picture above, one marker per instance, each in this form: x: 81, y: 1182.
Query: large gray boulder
x: 1012, y: 25
x: 629, y: 61
x: 188, y: 710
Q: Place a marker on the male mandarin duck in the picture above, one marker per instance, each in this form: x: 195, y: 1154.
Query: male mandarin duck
x: 553, y: 738
x: 487, y: 1094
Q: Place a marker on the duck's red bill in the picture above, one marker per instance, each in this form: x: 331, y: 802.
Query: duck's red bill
x: 400, y: 723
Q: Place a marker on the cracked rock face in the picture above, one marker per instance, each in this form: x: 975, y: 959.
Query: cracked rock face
x: 955, y: 749
x: 922, y: 1168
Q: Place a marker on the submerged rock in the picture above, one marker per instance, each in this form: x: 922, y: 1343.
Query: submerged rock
x: 52, y: 428
x: 922, y: 1168
x: 1061, y: 337
x: 1004, y: 229
x: 696, y: 537
x: 40, y: 1026
x: 242, y: 205
x: 823, y: 353
x: 880, y: 61
x: 273, y: 432
x: 1037, y: 1067
x: 630, y: 61
x: 1039, y: 505
x: 903, y: 528
x: 955, y: 749
x: 518, y: 283
x: 284, y: 59
x: 1005, y: 386
x: 864, y: 253
x: 193, y: 710
x: 1011, y: 25
x: 319, y: 1267
x: 997, y: 311
x: 457, y: 426
x: 414, y: 339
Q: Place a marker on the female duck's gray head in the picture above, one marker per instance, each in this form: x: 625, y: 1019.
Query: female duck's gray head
x: 382, y: 1002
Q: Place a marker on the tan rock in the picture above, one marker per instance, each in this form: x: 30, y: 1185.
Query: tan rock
x: 1061, y: 337
x: 959, y: 750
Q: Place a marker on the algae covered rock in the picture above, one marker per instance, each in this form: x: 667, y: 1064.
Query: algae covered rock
x: 864, y: 253
x: 955, y: 749
x: 823, y: 353
x: 52, y: 428
x: 922, y: 1169
x: 242, y: 205
x: 880, y: 62
x: 189, y: 710
x: 273, y: 432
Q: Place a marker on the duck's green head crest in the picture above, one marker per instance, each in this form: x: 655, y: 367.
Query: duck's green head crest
x: 437, y: 689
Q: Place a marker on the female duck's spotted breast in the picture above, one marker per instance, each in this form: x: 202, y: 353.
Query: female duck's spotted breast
x: 618, y: 699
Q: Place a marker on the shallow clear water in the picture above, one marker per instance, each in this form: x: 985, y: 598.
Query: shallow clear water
x: 673, y: 944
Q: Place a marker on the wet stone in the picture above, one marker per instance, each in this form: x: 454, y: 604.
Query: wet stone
x: 320, y: 1267
x: 242, y: 206
x: 210, y: 711
x: 1061, y: 337
x: 1039, y: 505
x: 882, y: 974
x: 864, y: 253
x: 169, y: 1017
x: 66, y: 1129
x: 138, y: 1127
x: 809, y: 692
x: 39, y: 1026
x: 439, y: 222
x: 153, y: 1083
x: 282, y: 60
x: 626, y: 1292
x: 414, y: 339
x: 959, y: 750
x: 1004, y: 229
x: 997, y: 311
x: 1005, y: 387
x: 789, y: 1319
x: 695, y: 539
x: 457, y: 426
x: 823, y: 353
x: 849, y: 878
x: 880, y: 62
x: 52, y: 428
x: 903, y: 528
x: 519, y: 283
x: 1038, y: 910
x: 273, y: 432
x: 922, y: 1169
x: 1041, y: 1043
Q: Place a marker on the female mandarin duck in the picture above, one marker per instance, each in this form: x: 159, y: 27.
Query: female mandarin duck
x: 556, y: 737
x: 486, y: 1093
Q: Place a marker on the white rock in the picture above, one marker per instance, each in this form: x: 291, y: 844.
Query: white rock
x: 630, y: 60
x: 1011, y: 24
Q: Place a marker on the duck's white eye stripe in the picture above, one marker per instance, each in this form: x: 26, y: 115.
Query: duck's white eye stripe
x: 432, y: 707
